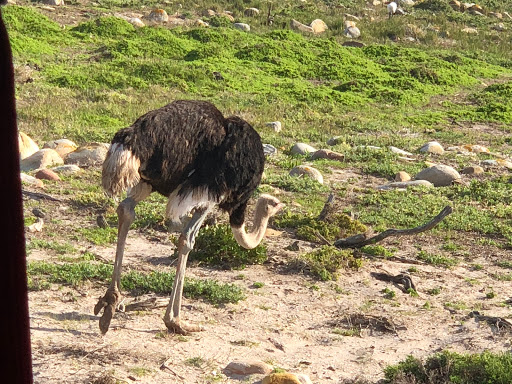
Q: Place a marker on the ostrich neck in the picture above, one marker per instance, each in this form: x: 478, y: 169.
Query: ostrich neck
x: 251, y: 239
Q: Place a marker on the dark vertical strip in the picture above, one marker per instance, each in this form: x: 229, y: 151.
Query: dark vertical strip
x: 16, y: 361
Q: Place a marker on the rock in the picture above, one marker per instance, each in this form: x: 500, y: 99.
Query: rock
x: 334, y: 140
x: 47, y: 174
x: 327, y: 154
x: 306, y: 170
x: 136, y: 22
x: 472, y: 170
x: 67, y: 169
x: 499, y: 27
x: 31, y: 180
x: 476, y: 13
x: 248, y: 368
x: 37, y: 226
x: 456, y: 5
x: 61, y: 146
x: 304, y: 379
x: 476, y: 148
x: 281, y: 378
x: 27, y: 146
x: 505, y: 163
x: 470, y: 30
x: 318, y: 26
x: 158, y: 16
x: 242, y: 27
x: 228, y: 16
x: 432, y: 147
x: 302, y: 149
x: 294, y: 24
x: 440, y: 175
x: 250, y: 12
x: 275, y: 125
x: 269, y: 150
x: 348, y: 16
x: 88, y: 155
x: 54, y: 2
x: 355, y: 44
x: 349, y: 23
x: 405, y: 185
x: 399, y: 151
x: 352, y: 32
x: 402, y: 176
x: 490, y: 163
x: 201, y: 23
x: 43, y: 158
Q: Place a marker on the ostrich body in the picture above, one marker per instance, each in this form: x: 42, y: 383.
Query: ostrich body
x: 190, y: 153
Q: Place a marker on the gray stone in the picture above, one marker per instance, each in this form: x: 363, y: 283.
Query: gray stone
x: 490, y: 163
x: 31, y: 180
x: 334, y: 140
x: 432, y: 147
x: 242, y: 27
x: 302, y: 149
x: 88, y: 155
x: 43, y: 158
x: 67, y: 169
x: 440, y: 175
x: 306, y: 170
x: 269, y: 150
x: 352, y: 32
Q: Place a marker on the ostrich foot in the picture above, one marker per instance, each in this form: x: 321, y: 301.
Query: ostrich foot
x: 182, y: 327
x: 108, y: 303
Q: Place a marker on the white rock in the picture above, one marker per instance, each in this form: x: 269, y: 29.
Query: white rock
x: 26, y: 145
x: 251, y: 12
x: 440, y: 175
x: 242, y: 27
x: 302, y: 149
x: 306, y: 170
x: 275, y: 125
x: 61, y: 146
x: 248, y: 367
x: 37, y: 226
x: 432, y: 147
x: 88, y: 155
x: 352, y: 32
x: 31, y: 180
x: 402, y: 176
x: 399, y: 151
x: 318, y: 26
x: 297, y: 25
x: 67, y: 169
x: 136, y: 22
x: 43, y: 158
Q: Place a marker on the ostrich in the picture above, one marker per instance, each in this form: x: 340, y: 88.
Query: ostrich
x: 190, y: 153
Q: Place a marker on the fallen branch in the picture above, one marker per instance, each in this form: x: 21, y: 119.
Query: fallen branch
x: 360, y: 240
x: 38, y: 196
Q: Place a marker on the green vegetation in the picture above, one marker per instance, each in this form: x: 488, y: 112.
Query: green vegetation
x: 217, y: 246
x: 325, y: 262
x: 42, y: 274
x: 452, y: 367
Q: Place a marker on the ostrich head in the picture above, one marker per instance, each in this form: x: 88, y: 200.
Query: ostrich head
x: 266, y: 207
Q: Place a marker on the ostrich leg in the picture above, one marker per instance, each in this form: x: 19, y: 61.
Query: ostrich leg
x: 126, y: 215
x: 185, y: 245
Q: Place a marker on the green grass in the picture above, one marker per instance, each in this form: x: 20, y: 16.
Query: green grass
x: 42, y: 274
x: 487, y: 367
